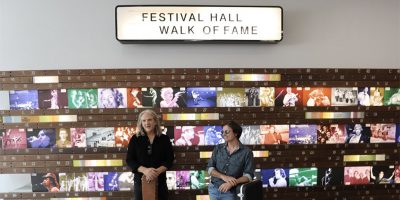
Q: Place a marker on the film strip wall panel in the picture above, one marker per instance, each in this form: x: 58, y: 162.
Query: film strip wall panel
x: 314, y: 147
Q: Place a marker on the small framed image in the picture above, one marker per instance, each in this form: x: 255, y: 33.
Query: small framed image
x: 231, y: 97
x: 53, y: 99
x: 303, y: 134
x: 24, y: 100
x: 376, y: 97
x: 383, y: 133
x: 201, y: 97
x: 288, y: 96
x: 112, y: 98
x: 316, y: 96
x: 392, y: 96
x: 302, y: 177
x: 330, y: 176
x: 278, y: 177
x: 344, y: 96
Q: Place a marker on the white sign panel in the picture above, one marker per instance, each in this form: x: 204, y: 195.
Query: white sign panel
x: 198, y: 23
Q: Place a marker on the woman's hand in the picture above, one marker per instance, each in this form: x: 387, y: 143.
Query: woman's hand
x: 150, y: 174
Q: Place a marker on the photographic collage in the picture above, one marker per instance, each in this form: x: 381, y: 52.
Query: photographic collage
x: 199, y: 179
x: 181, y: 97
x: 200, y: 97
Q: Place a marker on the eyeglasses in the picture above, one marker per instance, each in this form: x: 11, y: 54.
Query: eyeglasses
x: 149, y: 149
x: 226, y: 132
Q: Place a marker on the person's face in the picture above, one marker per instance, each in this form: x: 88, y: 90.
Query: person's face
x: 381, y: 174
x: 228, y: 134
x: 148, y: 122
x: 272, y: 129
x: 108, y: 99
x: 189, y: 133
x: 289, y: 90
x: 46, y: 182
x: 278, y: 174
x: 168, y: 96
x: 365, y: 90
x: 134, y: 92
x: 357, y: 129
x: 63, y: 135
x: 170, y: 179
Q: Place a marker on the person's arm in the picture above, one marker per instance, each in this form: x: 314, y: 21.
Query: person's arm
x: 131, y: 158
x: 169, y: 155
x: 372, y: 175
x: 248, y: 174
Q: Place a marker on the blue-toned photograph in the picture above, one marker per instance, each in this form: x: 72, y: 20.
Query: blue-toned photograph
x: 111, y: 181
x: 358, y: 133
x: 278, y: 177
x: 41, y: 138
x: 213, y: 135
x: 398, y: 133
x: 303, y: 134
x: 201, y: 97
x: 24, y: 100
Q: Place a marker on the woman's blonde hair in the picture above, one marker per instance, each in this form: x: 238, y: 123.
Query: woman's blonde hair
x: 157, y: 128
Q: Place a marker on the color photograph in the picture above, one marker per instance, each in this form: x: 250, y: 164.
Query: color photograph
x: 392, y: 96
x: 278, y: 177
x: 288, y: 96
x: 24, y: 100
x: 274, y: 134
x: 41, y: 138
x: 331, y: 134
x: 358, y: 133
x: 301, y: 177
x: 53, y: 99
x: 14, y: 139
x: 82, y: 98
x: 231, y: 97
x: 316, y: 97
x: 201, y: 97
x: 303, y: 134
x: 112, y: 98
x: 134, y: 97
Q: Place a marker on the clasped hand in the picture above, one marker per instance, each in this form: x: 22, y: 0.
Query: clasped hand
x: 150, y: 174
x: 229, y: 183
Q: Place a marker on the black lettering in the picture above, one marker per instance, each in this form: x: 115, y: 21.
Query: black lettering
x: 183, y: 17
x: 153, y: 17
x: 190, y: 30
x: 144, y: 16
x: 164, y: 29
x: 162, y: 17
x: 174, y: 30
x: 213, y: 17
x: 207, y: 30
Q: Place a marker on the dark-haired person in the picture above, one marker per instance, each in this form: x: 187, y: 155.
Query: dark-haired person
x: 150, y: 154
x: 231, y: 164
x: 50, y: 182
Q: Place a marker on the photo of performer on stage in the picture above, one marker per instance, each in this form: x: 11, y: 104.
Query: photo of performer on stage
x: 288, y: 96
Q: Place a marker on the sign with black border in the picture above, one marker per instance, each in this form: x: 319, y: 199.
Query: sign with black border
x: 175, y: 24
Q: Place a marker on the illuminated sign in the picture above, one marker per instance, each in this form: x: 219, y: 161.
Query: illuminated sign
x: 198, y: 23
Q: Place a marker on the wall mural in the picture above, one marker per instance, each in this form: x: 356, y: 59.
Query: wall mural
x: 67, y: 130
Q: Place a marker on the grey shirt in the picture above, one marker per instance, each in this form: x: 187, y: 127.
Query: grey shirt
x: 238, y: 164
